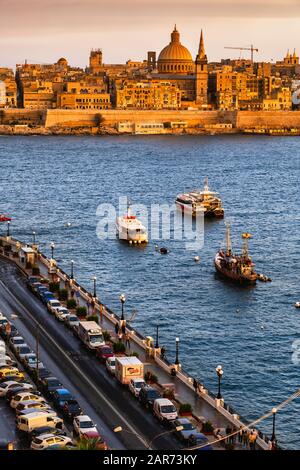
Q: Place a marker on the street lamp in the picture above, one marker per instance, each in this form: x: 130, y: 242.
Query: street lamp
x: 148, y: 444
x: 156, y: 343
x: 33, y: 237
x: 274, y: 411
x: 72, y: 269
x: 8, y: 226
x: 219, y: 372
x: 122, y: 300
x: 52, y: 246
x: 94, y: 279
x: 177, y: 352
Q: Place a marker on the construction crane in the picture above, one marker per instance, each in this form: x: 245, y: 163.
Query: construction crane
x: 251, y: 48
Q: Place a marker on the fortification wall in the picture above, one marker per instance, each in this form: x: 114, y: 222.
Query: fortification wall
x: 13, y: 116
x: 77, y: 118
x: 268, y: 119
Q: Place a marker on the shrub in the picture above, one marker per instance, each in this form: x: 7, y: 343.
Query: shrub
x: 53, y: 286
x: 106, y: 336
x: 169, y: 393
x: 150, y: 377
x: 81, y: 311
x: 35, y: 270
x: 185, y: 408
x: 134, y: 354
x: 93, y: 318
x: 119, y: 347
x: 207, y: 427
x: 63, y: 294
x: 71, y: 303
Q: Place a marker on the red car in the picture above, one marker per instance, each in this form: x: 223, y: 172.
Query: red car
x: 104, y: 352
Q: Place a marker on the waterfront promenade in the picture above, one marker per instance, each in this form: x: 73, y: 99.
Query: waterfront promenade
x: 205, y: 406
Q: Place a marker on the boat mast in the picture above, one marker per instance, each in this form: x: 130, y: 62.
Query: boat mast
x: 206, y: 187
x: 228, y: 238
x: 246, y: 237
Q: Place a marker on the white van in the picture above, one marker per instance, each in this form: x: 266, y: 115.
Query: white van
x: 27, y: 423
x: 164, y: 409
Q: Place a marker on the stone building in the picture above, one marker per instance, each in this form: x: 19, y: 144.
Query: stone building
x: 147, y: 94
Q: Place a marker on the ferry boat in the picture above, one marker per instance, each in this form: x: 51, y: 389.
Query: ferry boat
x: 200, y: 201
x: 238, y: 268
x: 131, y: 229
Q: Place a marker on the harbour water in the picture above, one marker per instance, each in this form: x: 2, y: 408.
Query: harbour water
x: 53, y: 185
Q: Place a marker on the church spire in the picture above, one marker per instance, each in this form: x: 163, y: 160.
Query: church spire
x: 201, y: 51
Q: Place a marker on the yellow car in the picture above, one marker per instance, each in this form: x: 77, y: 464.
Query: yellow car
x: 5, y: 370
x: 12, y: 373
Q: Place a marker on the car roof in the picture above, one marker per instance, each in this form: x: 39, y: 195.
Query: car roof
x: 63, y: 391
x: 163, y: 401
x: 83, y: 418
x: 48, y: 436
x: 184, y: 420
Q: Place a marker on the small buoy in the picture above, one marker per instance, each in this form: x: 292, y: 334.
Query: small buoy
x: 164, y: 250
x: 156, y: 247
x: 237, y: 310
x: 68, y: 224
x: 262, y: 327
x: 197, y: 259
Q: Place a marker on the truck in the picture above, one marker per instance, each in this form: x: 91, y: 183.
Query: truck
x: 128, y: 368
x: 90, y: 334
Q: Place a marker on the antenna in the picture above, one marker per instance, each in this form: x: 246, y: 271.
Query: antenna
x: 246, y: 237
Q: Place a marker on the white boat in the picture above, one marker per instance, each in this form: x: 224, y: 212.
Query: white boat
x: 297, y: 304
x: 131, y: 229
x: 200, y: 202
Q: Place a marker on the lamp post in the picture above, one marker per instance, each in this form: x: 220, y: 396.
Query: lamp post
x: 72, y: 269
x: 52, y: 246
x: 94, y: 279
x: 148, y: 444
x: 33, y: 237
x: 274, y: 411
x: 177, y: 352
x: 219, y: 372
x: 8, y: 228
x: 122, y: 300
x: 156, y: 343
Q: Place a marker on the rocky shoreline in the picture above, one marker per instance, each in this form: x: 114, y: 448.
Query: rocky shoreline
x: 18, y: 130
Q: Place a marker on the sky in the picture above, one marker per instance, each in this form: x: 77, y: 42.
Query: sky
x: 42, y: 31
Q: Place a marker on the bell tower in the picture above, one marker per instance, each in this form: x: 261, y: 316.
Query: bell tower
x: 201, y: 74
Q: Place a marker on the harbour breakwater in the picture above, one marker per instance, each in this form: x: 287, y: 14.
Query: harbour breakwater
x: 114, y: 122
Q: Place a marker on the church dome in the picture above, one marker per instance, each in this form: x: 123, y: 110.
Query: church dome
x: 175, y: 58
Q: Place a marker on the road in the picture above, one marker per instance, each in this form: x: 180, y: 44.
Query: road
x: 100, y: 396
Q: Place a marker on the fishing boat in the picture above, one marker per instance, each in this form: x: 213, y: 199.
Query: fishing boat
x: 131, y: 229
x: 238, y: 268
x: 200, y: 201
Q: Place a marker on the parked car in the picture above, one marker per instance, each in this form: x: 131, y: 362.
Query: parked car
x: 164, y: 410
x: 42, y: 373
x: 44, y: 441
x: 110, y: 365
x: 30, y: 361
x: 60, y: 397
x: 12, y: 384
x: 71, y: 409
x: 46, y: 430
x: 148, y: 395
x: 27, y: 422
x: 22, y: 350
x: 83, y: 424
x: 52, y: 305
x: 19, y: 389
x: 101, y: 444
x: 15, y: 341
x: 12, y: 375
x: 104, y: 352
x: 72, y: 321
x: 25, y: 396
x: 49, y: 385
x: 61, y: 313
x: 40, y: 290
x: 199, y: 439
x: 46, y: 296
x: 188, y: 428
x: 32, y: 405
x: 135, y: 386
x: 6, y: 370
x: 9, y: 331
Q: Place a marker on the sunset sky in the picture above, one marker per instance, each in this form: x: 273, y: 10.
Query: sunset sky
x: 45, y: 30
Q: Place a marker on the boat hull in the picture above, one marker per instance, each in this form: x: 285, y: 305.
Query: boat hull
x: 234, y: 277
x: 210, y: 214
